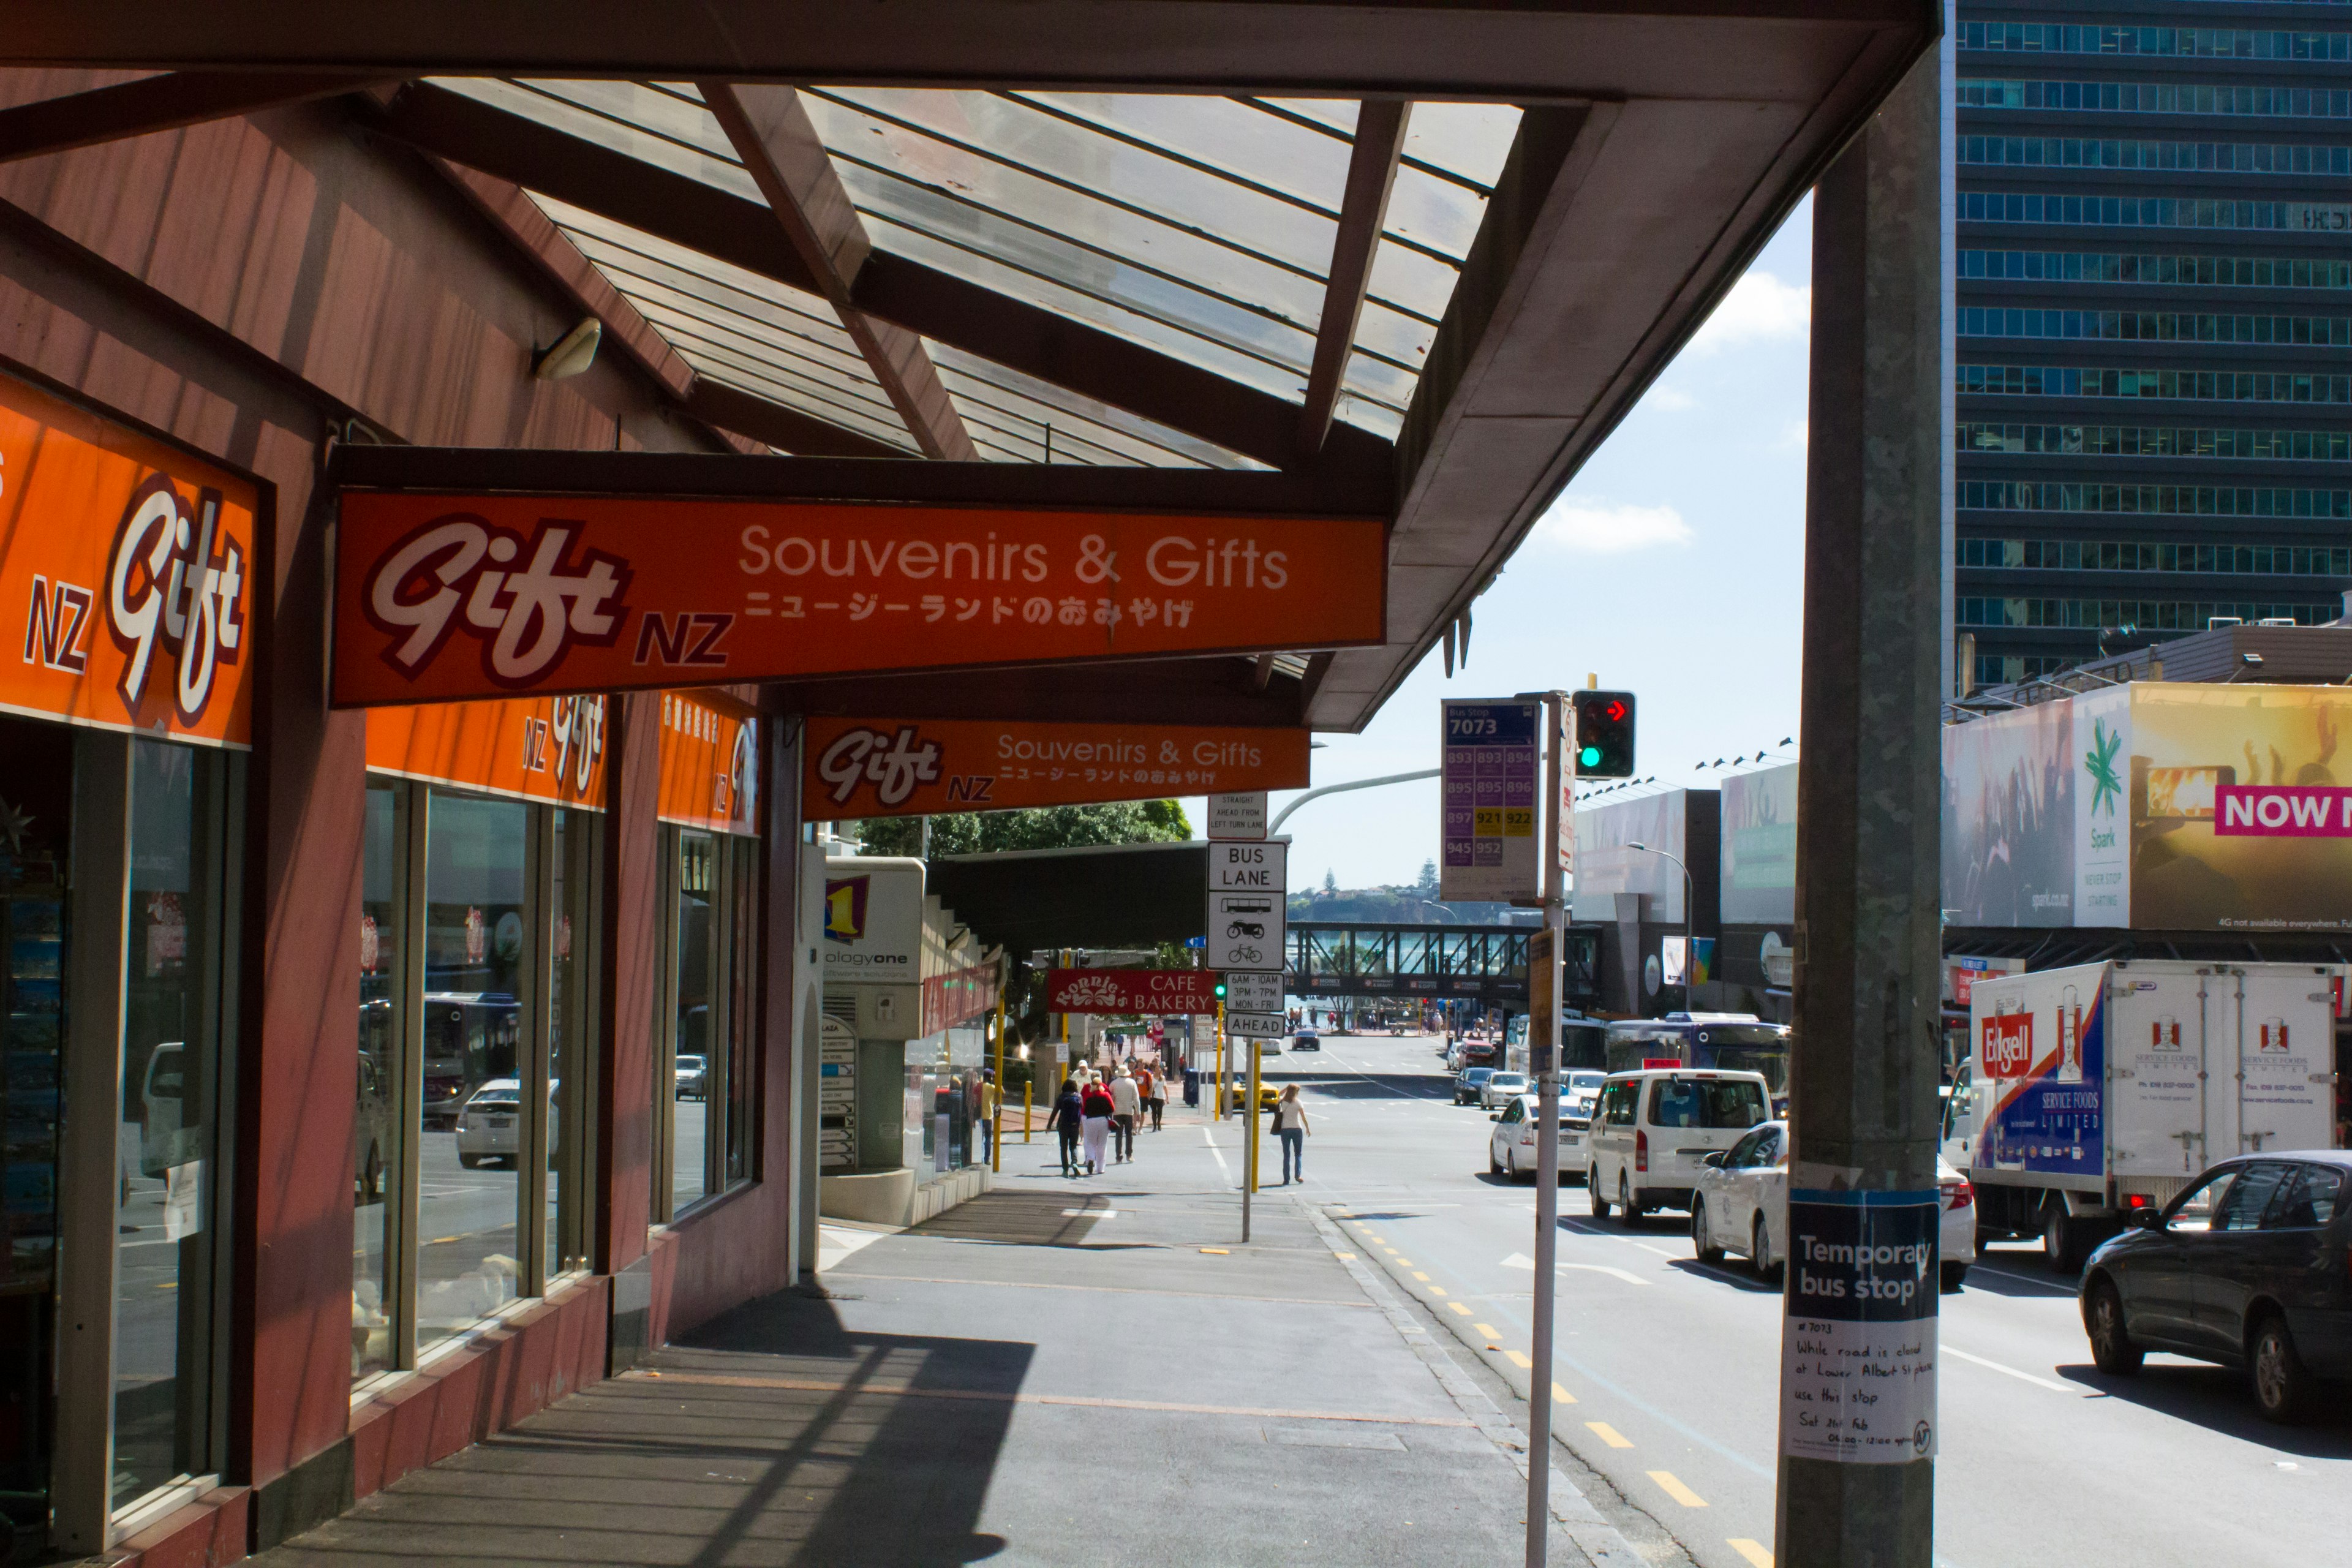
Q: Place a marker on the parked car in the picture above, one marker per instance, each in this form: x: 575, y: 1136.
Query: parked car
x: 1501, y: 1087
x: 1472, y: 1080
x: 2251, y: 1266
x: 693, y: 1077
x: 1656, y: 1127
x: 1511, y: 1147
x: 1306, y: 1040
x: 1742, y: 1205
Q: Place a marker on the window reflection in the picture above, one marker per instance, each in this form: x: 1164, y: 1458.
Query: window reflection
x: 376, y: 1125
x: 690, y: 1086
x: 468, y: 1191
x: 167, y: 1172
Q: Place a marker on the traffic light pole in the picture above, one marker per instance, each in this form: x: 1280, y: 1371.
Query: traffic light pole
x: 1856, y: 1484
x: 1543, y: 1061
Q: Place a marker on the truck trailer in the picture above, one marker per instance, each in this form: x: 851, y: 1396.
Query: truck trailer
x: 2107, y: 1087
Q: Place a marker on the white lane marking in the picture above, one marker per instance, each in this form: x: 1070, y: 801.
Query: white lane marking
x: 1223, y: 1169
x: 1661, y: 1251
x: 1521, y: 1260
x: 1089, y: 1213
x: 2013, y: 1372
x: 2051, y: 1285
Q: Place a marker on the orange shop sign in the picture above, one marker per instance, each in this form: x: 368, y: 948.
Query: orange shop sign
x: 534, y: 747
x: 126, y: 576
x: 709, y: 764
x: 925, y: 767
x: 442, y: 596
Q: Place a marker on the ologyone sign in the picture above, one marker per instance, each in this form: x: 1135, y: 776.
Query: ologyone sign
x: 442, y: 596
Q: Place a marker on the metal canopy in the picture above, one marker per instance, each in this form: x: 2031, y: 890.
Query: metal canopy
x: 1125, y: 235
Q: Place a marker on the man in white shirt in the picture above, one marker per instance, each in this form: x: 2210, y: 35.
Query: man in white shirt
x: 1125, y: 1102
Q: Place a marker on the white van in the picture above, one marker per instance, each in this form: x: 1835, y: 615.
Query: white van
x: 1653, y: 1129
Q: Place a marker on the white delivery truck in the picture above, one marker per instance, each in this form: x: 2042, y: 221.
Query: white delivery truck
x: 2106, y: 1086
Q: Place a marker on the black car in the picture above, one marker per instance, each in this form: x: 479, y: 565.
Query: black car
x: 2251, y: 1266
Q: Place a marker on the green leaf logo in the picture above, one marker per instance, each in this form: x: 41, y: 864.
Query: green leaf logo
x: 2099, y: 762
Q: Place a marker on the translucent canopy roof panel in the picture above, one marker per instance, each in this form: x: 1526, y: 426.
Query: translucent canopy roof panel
x: 1201, y: 227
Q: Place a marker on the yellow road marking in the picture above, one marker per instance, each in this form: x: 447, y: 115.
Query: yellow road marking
x: 1420, y: 1276
x: 1562, y: 1395
x: 1389, y: 1250
x: 1459, y: 1308
x: 1219, y: 1251
x: 1609, y: 1435
x: 1517, y: 1360
x: 1489, y: 1330
x: 1345, y: 1257
x: 1672, y: 1488
x: 1754, y: 1552
x: 1401, y: 1262
x: 1438, y: 1291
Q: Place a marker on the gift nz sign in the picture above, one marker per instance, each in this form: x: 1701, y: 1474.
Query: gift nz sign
x: 441, y: 596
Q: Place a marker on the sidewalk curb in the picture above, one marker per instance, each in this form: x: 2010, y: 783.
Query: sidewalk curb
x: 1600, y: 1542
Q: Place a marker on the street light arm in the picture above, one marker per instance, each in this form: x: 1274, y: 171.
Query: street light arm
x: 1284, y: 816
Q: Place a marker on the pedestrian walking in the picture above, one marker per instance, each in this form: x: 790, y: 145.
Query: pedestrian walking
x: 1095, y: 1102
x: 989, y: 1104
x: 1155, y: 1096
x: 1290, y: 1127
x: 1126, y: 1102
x: 1069, y: 1121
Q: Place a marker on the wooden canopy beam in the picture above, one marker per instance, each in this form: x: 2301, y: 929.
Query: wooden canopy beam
x: 786, y: 159
x: 1363, y: 211
x: 158, y: 103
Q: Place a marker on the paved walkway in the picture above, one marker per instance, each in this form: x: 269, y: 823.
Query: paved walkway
x: 1062, y: 1372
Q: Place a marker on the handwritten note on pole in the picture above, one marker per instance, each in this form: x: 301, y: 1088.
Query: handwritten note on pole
x: 1858, y: 1347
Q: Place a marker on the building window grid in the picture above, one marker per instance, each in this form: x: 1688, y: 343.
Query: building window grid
x: 2156, y: 326
x: 2175, y: 43
x: 2141, y: 614
x: 2151, y: 441
x: 2155, y: 98
x: 2143, y: 555
x: 2114, y: 267
x: 2162, y: 500
x: 2166, y: 157
x: 2195, y: 385
x: 2154, y: 212
x: 1993, y: 669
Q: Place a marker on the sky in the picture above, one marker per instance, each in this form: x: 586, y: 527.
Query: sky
x: 1672, y: 567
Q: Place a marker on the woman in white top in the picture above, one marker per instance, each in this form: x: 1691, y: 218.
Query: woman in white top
x: 1290, y: 1127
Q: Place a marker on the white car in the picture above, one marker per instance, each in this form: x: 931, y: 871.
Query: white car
x: 1579, y: 1091
x: 1511, y: 1148
x: 1656, y: 1127
x: 1742, y: 1205
x: 1500, y: 1088
x: 489, y: 1123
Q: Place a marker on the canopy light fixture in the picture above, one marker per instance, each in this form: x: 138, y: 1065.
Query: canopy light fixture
x: 574, y: 351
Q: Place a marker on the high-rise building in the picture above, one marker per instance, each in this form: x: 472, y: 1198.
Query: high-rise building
x: 2153, y: 333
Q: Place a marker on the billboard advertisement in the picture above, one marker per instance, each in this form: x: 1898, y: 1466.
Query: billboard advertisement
x: 1758, y: 871
x: 2008, y: 818
x: 2234, y: 794
x: 2155, y: 806
x: 1605, y: 866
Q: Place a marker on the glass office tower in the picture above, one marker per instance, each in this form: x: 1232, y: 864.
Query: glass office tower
x: 2153, y: 302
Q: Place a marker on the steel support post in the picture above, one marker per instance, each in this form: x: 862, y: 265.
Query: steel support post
x: 1864, y: 1079
x: 1543, y: 1061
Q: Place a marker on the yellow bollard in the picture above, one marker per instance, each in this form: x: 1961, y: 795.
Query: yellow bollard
x: 1025, y: 1117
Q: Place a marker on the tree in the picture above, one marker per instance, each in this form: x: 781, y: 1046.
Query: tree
x: 1034, y: 827
x: 1330, y: 885
x: 1427, y: 886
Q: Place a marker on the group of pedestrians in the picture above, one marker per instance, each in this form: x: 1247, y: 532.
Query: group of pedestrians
x: 1095, y: 1115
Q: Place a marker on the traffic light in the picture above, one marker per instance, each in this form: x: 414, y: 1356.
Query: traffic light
x: 1604, y: 734
x: 1221, y: 990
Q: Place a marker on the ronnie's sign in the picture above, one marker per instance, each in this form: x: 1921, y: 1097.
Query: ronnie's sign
x: 1131, y: 990
x: 922, y: 767
x: 442, y: 596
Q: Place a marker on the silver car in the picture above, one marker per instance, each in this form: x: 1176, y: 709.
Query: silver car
x: 1501, y: 1089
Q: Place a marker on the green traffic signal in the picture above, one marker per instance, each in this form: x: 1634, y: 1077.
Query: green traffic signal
x: 1604, y: 733
x: 1221, y: 990
x: 1589, y: 757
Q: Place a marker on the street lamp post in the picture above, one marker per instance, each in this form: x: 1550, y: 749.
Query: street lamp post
x: 1690, y: 910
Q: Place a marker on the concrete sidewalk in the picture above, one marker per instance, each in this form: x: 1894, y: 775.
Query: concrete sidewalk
x: 1060, y: 1372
